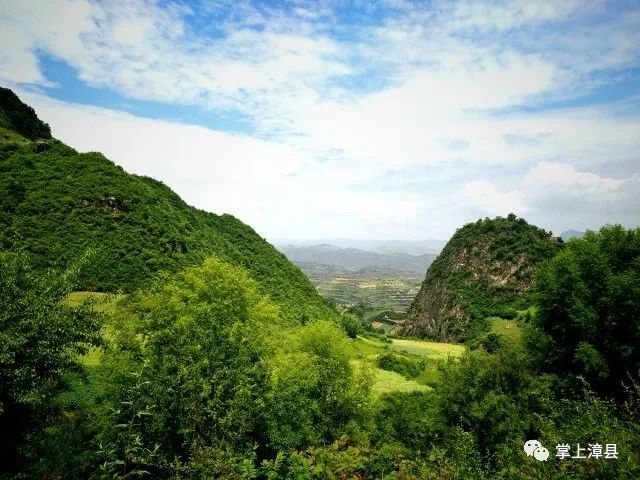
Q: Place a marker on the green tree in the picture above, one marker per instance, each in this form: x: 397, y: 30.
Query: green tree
x: 198, y: 374
x: 495, y: 397
x: 316, y: 391
x: 350, y: 324
x: 589, y: 310
x: 16, y: 115
x: 41, y: 339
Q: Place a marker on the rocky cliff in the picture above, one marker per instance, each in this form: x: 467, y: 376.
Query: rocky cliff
x: 485, y: 269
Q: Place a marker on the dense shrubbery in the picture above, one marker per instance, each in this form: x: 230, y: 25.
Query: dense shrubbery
x: 203, y: 379
x: 405, y: 366
x: 351, y: 325
x: 200, y: 381
x: 589, y: 304
x: 15, y: 115
x: 40, y: 340
x: 196, y: 376
x: 316, y: 393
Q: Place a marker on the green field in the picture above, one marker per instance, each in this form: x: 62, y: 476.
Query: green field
x: 106, y: 303
x: 388, y: 382
x: 433, y: 350
x: 507, y: 328
x: 103, y: 302
x: 368, y: 349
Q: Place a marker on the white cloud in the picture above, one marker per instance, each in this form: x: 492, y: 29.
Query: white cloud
x: 582, y: 197
x: 441, y: 74
x: 480, y: 198
x: 557, y: 196
x: 147, y: 52
x: 560, y: 174
x: 273, y: 187
x: 512, y: 14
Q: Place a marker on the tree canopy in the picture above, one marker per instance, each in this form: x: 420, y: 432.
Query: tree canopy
x: 588, y: 304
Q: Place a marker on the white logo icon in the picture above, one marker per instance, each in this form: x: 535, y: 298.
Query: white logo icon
x: 541, y: 454
x: 530, y: 446
x: 534, y: 448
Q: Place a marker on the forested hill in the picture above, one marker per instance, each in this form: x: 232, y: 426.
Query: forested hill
x: 57, y: 204
x: 485, y: 270
x: 21, y: 118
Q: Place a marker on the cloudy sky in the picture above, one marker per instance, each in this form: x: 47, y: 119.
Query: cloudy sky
x: 308, y: 119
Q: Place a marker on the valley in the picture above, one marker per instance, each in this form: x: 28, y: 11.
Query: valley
x: 141, y: 337
x: 371, y: 287
x: 374, y: 281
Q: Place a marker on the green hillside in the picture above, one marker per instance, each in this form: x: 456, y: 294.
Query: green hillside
x: 56, y: 204
x: 486, y: 269
x: 16, y: 116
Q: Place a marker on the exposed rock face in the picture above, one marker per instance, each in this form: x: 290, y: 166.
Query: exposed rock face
x: 485, y: 269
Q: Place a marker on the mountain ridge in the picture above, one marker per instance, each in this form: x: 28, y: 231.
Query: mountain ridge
x: 569, y: 234
x: 56, y: 204
x: 355, y: 258
x: 410, y: 247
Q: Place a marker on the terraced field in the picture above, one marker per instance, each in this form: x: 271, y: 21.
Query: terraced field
x: 378, y: 287
x: 433, y: 350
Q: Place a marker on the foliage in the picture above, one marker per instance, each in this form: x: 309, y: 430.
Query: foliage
x: 210, y: 380
x: 197, y: 378
x: 589, y: 304
x: 351, y: 325
x: 405, y: 366
x: 594, y: 420
x: 15, y: 115
x: 40, y: 340
x: 316, y: 392
x: 496, y: 398
x: 205, y: 381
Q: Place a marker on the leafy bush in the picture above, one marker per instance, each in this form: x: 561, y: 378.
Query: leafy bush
x: 410, y: 368
x: 316, y: 392
x: 40, y: 340
x: 497, y: 399
x: 196, y: 376
x: 589, y: 304
x: 350, y: 324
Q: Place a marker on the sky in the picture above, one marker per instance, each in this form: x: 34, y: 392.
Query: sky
x: 358, y: 119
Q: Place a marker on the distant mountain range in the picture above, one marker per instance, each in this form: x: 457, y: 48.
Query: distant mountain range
x: 355, y: 258
x: 569, y: 234
x: 411, y: 247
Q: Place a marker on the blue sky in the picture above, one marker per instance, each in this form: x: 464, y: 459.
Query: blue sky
x: 389, y: 119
